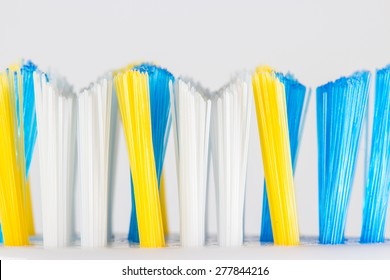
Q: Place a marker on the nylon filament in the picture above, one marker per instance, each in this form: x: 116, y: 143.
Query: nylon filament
x: 95, y: 107
x: 133, y: 93
x: 29, y: 131
x: 191, y: 113
x: 56, y: 120
x: 230, y: 124
x: 341, y: 107
x: 378, y: 181
x: 297, y: 100
x: 270, y: 101
x: 77, y: 137
x: 158, y: 80
x: 13, y: 211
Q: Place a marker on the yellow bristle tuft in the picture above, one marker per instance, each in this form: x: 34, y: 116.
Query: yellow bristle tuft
x: 132, y: 89
x: 12, y: 164
x: 271, y: 112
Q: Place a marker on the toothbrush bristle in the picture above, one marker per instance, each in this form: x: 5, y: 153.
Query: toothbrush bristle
x: 341, y: 109
x: 297, y: 98
x: 133, y: 96
x: 158, y: 80
x: 95, y: 135
x: 56, y: 121
x: 230, y: 123
x: 270, y: 101
x: 191, y: 125
x: 13, y: 210
x: 378, y: 181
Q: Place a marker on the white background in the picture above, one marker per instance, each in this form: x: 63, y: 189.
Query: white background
x: 317, y: 41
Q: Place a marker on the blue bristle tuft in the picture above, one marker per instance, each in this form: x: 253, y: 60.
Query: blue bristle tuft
x: 378, y: 181
x: 29, y: 114
x: 341, y: 107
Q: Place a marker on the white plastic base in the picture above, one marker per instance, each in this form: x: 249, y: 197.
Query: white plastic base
x: 120, y: 250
